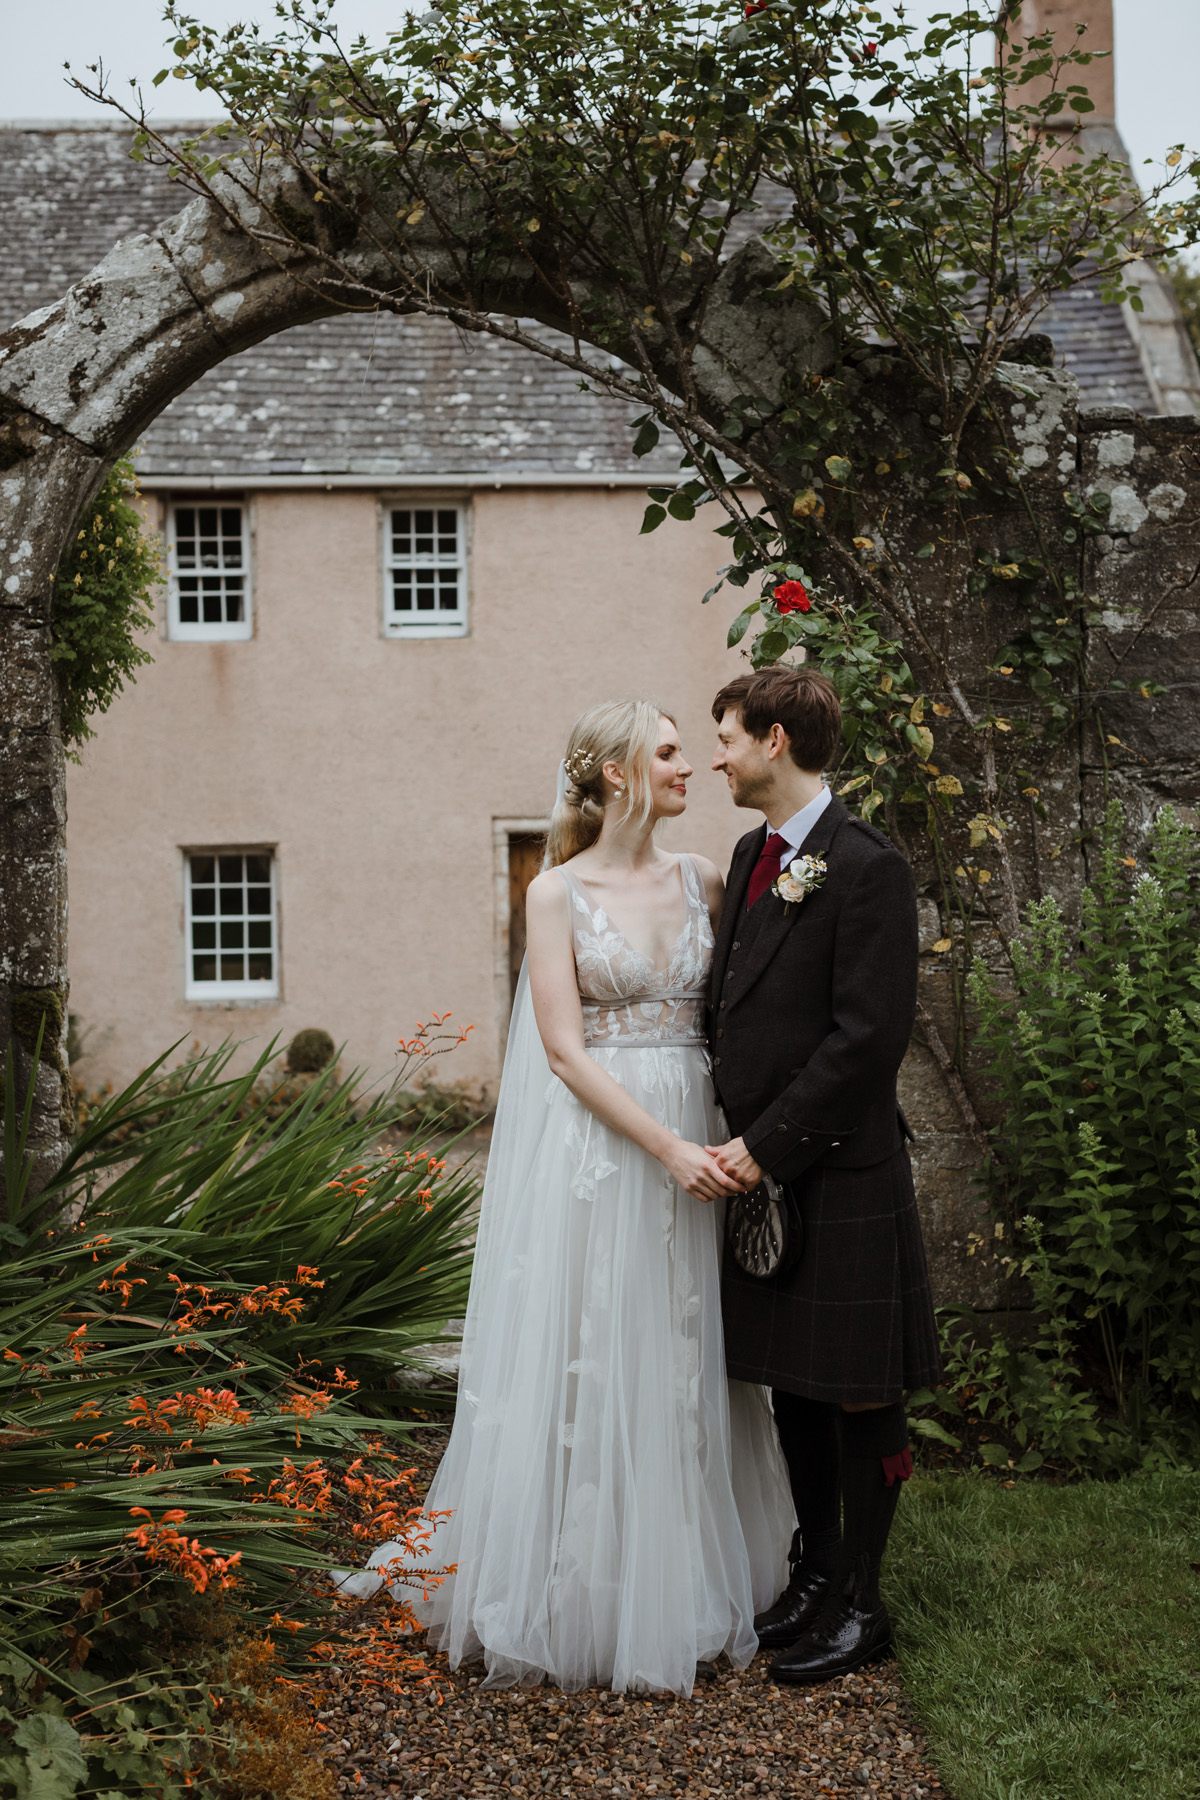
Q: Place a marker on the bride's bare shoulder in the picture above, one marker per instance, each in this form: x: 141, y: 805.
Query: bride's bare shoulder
x: 547, y: 890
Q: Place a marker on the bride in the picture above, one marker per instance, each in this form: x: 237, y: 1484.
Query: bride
x: 617, y: 1509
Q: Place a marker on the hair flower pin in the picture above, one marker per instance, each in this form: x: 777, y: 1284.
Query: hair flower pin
x: 800, y: 879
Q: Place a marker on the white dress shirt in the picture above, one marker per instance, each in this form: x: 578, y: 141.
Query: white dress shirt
x: 799, y: 826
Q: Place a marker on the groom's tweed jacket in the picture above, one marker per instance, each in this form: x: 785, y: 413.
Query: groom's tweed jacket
x: 812, y: 1011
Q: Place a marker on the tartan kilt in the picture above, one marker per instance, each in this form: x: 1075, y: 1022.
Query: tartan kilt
x: 853, y: 1319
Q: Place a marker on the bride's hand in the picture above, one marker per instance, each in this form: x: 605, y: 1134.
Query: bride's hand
x: 698, y: 1173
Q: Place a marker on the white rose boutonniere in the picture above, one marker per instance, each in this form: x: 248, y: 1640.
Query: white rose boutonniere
x: 801, y: 878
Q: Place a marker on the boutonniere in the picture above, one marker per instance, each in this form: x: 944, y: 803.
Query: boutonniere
x: 801, y: 878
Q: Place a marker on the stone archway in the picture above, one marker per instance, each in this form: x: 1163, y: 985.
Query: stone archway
x: 80, y: 382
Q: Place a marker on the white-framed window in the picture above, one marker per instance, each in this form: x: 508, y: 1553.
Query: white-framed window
x: 425, y: 571
x: 208, y: 562
x: 231, y: 924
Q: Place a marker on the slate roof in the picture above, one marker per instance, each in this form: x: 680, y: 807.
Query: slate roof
x: 363, y: 395
x: 1092, y: 340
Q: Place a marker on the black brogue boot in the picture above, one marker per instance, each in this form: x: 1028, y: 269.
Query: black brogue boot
x: 803, y: 1597
x: 852, y: 1628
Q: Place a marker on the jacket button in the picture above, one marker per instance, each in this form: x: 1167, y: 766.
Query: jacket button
x: 716, y: 1062
x: 804, y: 1140
x: 735, y: 945
x: 721, y: 1003
x: 720, y: 1031
x: 836, y: 1144
x: 784, y: 1128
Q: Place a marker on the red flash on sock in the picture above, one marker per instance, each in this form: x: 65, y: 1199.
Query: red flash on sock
x: 897, y: 1468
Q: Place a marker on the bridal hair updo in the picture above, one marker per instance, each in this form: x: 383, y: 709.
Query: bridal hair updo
x: 619, y: 731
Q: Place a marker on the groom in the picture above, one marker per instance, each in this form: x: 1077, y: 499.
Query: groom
x: 813, y: 1004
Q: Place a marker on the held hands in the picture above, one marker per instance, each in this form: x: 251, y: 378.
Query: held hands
x: 736, y: 1162
x: 697, y: 1171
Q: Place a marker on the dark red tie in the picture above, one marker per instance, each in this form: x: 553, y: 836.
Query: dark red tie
x: 766, y: 869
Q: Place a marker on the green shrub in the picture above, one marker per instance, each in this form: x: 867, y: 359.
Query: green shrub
x: 101, y: 604
x: 310, y: 1051
x: 1095, y: 1170
x: 205, y: 1323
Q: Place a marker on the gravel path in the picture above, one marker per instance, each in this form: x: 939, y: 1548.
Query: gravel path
x: 740, y: 1734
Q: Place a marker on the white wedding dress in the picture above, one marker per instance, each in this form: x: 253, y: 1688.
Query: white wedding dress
x: 618, y: 1509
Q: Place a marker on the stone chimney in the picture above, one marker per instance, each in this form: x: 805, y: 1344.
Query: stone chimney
x: 1158, y: 331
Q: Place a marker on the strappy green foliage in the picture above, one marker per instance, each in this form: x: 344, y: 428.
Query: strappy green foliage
x: 186, y: 1311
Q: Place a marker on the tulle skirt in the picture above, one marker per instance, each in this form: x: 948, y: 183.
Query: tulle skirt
x: 618, y: 1509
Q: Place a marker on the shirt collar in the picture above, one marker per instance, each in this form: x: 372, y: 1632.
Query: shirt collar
x: 801, y: 823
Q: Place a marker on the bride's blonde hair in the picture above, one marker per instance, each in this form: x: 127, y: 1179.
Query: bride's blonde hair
x: 620, y: 731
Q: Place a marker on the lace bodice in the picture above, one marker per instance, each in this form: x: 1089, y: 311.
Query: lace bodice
x: 627, y: 1000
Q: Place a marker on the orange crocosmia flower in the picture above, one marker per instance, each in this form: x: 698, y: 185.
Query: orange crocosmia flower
x: 158, y: 1419
x: 209, y: 1405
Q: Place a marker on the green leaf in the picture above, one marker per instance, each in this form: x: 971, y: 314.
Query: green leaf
x: 53, y: 1755
x: 929, y: 1428
x: 839, y: 468
x: 994, y: 1455
x: 740, y: 625
x: 652, y: 519
x: 771, y: 645
x: 925, y: 550
x: 646, y: 439
x: 680, y: 507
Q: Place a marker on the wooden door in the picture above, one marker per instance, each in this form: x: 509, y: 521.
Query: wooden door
x: 525, y: 851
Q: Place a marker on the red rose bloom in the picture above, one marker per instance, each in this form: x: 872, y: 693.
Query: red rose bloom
x: 792, y: 596
x: 869, y: 50
x: 754, y: 6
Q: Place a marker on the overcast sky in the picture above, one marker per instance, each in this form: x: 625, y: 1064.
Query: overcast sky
x: 1157, y: 44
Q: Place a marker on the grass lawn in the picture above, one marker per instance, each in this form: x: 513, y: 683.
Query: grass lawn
x: 1050, y: 1636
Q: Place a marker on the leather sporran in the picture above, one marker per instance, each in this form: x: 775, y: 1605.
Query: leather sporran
x: 764, y: 1230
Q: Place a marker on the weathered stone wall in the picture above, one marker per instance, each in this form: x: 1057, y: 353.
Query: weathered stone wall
x: 1145, y: 571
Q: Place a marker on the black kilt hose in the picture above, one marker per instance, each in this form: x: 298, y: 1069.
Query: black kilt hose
x: 813, y: 1008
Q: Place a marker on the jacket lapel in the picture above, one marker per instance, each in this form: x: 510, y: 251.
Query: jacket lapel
x: 779, y: 918
x: 740, y: 870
